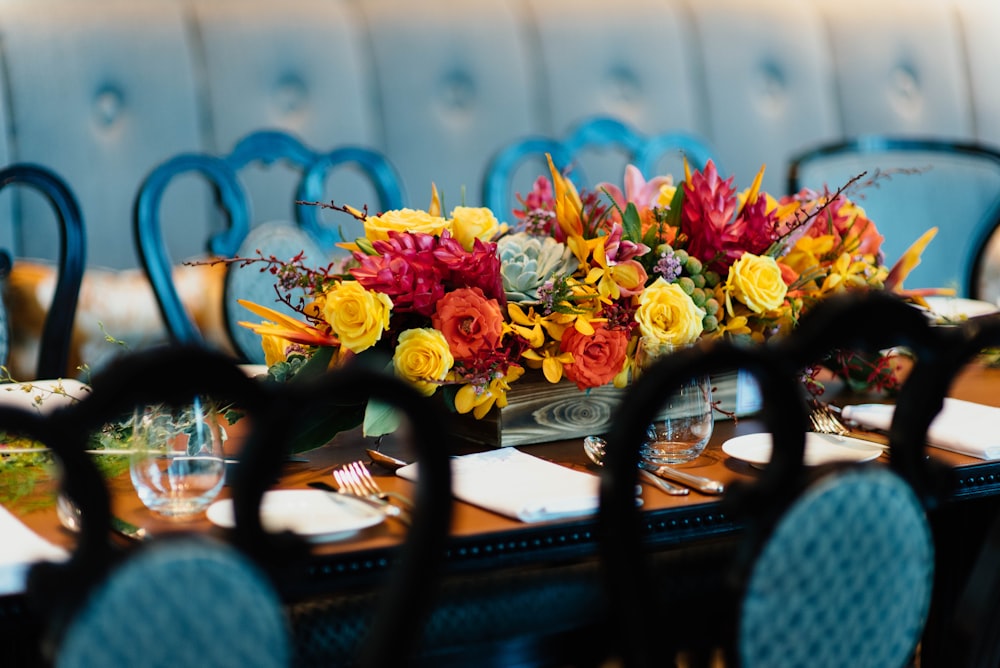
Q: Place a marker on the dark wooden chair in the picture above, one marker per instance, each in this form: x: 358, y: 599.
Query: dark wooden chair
x: 809, y: 581
x: 644, y: 151
x: 57, y: 333
x: 189, y: 598
x: 223, y: 173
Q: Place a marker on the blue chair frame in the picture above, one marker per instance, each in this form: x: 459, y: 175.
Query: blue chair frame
x: 872, y: 145
x: 267, y: 147
x: 643, y: 151
x: 57, y: 333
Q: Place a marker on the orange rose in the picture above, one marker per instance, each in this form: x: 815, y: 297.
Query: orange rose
x: 597, y: 358
x: 471, y: 323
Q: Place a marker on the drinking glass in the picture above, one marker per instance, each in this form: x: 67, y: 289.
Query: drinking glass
x: 682, y: 428
x: 177, y: 461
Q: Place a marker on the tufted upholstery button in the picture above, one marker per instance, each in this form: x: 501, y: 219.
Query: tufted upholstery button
x: 904, y: 87
x: 623, y: 85
x: 108, y: 104
x: 458, y: 91
x: 773, y: 86
x: 290, y: 94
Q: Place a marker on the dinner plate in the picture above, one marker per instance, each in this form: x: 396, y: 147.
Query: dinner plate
x: 318, y: 516
x: 820, y: 449
x: 946, y: 310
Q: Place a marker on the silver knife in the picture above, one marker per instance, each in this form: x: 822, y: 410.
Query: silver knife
x: 703, y: 485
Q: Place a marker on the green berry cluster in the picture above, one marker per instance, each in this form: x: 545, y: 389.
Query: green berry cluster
x: 698, y: 283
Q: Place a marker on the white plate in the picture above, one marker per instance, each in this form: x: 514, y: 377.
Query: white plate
x: 314, y: 514
x: 953, y: 309
x: 820, y: 449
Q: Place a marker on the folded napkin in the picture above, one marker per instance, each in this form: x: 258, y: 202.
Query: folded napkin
x: 20, y: 548
x: 519, y: 485
x: 962, y: 426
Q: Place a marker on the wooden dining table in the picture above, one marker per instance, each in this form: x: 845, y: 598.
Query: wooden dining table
x: 483, y: 542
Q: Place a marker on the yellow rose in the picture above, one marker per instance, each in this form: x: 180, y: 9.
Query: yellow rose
x: 667, y: 314
x: 274, y: 348
x: 756, y: 281
x: 469, y: 223
x: 355, y: 315
x: 423, y: 358
x: 403, y: 220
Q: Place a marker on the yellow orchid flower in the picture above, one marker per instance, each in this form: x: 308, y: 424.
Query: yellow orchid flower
x: 479, y: 400
x: 280, y: 325
x: 550, y: 360
x: 845, y: 274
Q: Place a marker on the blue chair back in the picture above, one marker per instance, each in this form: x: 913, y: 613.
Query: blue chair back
x: 644, y: 151
x: 911, y: 185
x: 57, y: 333
x: 266, y: 147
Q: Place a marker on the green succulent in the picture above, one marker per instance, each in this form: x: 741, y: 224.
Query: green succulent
x: 528, y: 261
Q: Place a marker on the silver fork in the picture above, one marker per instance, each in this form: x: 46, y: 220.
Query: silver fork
x: 354, y: 479
x: 824, y: 421
x: 368, y: 482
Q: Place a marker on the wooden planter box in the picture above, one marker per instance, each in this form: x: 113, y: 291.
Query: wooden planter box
x: 539, y: 411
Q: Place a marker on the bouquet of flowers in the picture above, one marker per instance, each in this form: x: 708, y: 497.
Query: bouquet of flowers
x: 466, y: 305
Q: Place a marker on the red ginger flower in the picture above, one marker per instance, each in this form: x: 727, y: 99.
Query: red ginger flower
x: 404, y: 269
x: 709, y: 203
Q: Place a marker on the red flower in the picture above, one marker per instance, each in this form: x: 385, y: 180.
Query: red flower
x: 597, y: 358
x: 472, y: 324
x: 405, y: 269
x: 709, y: 203
x: 478, y: 268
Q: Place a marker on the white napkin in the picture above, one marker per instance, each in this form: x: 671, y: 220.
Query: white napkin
x: 519, y: 485
x: 20, y: 548
x: 962, y: 426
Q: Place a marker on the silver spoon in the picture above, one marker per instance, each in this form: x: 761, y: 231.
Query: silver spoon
x: 594, y: 447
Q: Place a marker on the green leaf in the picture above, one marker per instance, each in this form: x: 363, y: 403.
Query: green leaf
x: 320, y: 428
x: 676, y: 205
x: 631, y: 224
x: 380, y: 419
x: 316, y: 365
x: 366, y: 246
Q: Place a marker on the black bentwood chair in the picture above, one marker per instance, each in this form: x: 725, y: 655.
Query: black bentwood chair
x: 835, y: 566
x: 190, y: 599
x: 57, y: 333
x: 282, y: 239
x: 184, y: 599
x: 644, y: 151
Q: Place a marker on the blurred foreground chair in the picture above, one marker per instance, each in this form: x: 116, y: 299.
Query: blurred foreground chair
x: 911, y: 185
x: 192, y: 599
x: 835, y: 566
x: 644, y: 151
x: 57, y: 332
x: 283, y: 239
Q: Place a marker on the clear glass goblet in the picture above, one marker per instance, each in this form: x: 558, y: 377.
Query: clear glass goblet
x: 177, y: 463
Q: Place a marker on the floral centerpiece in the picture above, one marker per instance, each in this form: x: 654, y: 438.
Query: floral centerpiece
x: 465, y: 305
